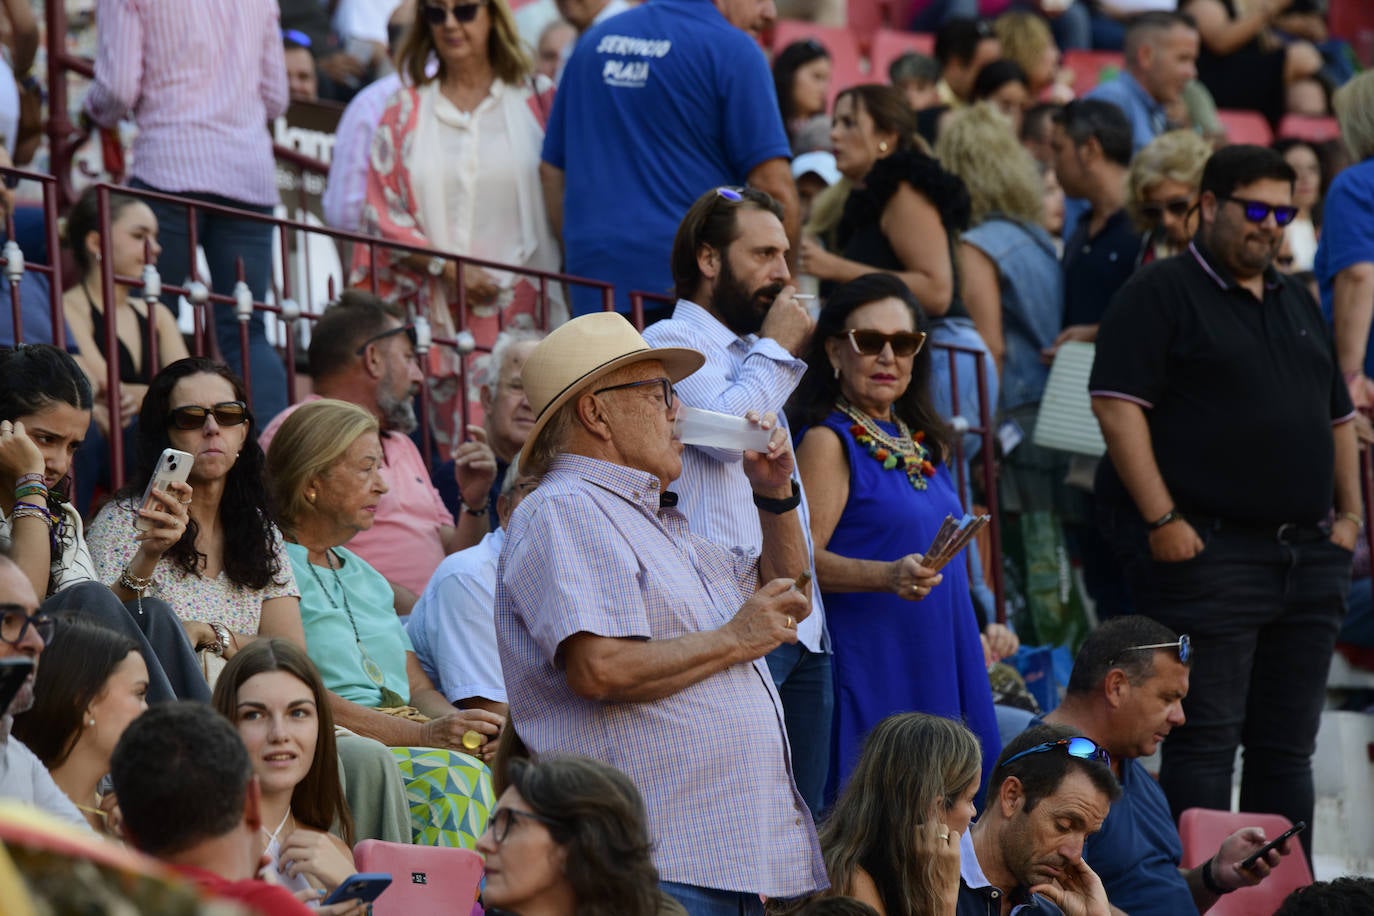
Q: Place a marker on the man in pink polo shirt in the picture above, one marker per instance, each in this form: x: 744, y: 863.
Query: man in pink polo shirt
x: 361, y: 352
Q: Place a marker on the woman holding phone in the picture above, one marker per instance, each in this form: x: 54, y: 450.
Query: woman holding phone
x: 45, y: 413
x: 224, y: 598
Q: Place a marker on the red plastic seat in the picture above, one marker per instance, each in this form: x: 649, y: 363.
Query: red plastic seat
x: 888, y: 45
x: 1306, y: 127
x: 1202, y: 831
x: 1347, y: 18
x: 845, y: 59
x: 1245, y: 126
x: 1091, y: 68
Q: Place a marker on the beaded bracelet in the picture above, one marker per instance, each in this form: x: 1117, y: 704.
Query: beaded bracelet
x: 136, y: 584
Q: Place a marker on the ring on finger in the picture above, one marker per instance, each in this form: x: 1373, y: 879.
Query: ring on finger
x: 791, y: 622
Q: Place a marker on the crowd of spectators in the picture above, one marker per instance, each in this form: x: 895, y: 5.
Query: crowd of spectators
x: 645, y: 672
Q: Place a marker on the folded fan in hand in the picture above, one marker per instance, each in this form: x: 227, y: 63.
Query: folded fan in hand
x: 952, y: 537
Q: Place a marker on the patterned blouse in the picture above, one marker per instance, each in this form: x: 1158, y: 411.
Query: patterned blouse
x: 194, y: 597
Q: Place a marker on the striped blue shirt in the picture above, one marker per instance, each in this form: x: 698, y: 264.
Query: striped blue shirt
x: 740, y: 374
x: 591, y: 551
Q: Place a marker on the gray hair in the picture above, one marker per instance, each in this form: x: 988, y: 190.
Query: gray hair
x: 491, y: 376
x: 512, y: 474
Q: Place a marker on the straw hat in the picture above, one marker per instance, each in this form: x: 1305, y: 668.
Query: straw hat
x: 583, y: 350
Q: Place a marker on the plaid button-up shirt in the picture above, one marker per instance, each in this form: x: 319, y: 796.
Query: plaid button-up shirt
x: 592, y: 551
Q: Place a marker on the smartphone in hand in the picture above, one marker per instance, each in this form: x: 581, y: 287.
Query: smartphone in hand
x: 173, y: 466
x: 1249, y: 861
x: 364, y: 886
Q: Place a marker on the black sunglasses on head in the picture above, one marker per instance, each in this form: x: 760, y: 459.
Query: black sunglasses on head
x: 437, y: 15
x: 193, y: 416
x: 407, y: 329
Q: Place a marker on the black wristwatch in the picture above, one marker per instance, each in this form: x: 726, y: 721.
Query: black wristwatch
x: 1173, y: 515
x: 780, y: 506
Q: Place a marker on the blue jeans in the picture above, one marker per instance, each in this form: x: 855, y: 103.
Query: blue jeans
x: 706, y: 901
x: 225, y: 240
x: 1263, y: 618
x: 804, y: 684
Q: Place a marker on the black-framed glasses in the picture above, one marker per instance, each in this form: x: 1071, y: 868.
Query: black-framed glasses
x: 1257, y: 211
x: 436, y: 14
x: 871, y: 343
x: 1080, y: 747
x: 503, y: 818
x: 668, y: 393
x: 15, y: 623
x: 1174, y: 206
x: 1183, y: 644
x: 193, y: 416
x: 407, y: 329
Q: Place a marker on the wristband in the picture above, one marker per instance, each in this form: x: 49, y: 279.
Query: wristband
x: 1171, y: 516
x: 780, y: 506
x: 1209, y: 880
x: 30, y: 478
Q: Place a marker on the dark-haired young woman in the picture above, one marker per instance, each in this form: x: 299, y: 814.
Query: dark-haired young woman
x: 45, y: 413
x: 224, y: 597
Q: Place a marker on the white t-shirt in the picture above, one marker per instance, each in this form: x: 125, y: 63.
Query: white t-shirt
x: 75, y: 564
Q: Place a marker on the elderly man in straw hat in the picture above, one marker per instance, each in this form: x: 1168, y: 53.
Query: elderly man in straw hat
x: 626, y: 638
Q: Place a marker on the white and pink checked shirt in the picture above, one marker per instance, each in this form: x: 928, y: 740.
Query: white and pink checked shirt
x: 202, y: 79
x: 592, y: 551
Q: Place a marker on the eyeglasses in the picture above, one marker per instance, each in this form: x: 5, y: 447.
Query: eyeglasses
x: 1257, y: 211
x: 1080, y: 747
x: 1176, y: 206
x: 668, y: 392
x: 871, y: 343
x: 1184, y: 645
x: 15, y: 623
x: 193, y: 416
x: 437, y: 15
x: 502, y: 818
x: 407, y: 329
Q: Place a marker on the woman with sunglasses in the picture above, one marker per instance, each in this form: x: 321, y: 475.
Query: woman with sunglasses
x: 874, y: 453
x: 92, y: 683
x: 455, y: 167
x: 45, y: 414
x: 224, y: 597
x: 569, y: 837
x: 1161, y: 191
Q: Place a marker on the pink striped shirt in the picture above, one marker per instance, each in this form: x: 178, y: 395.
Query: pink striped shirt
x: 202, y: 78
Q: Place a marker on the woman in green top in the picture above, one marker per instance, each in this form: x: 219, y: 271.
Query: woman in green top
x: 325, y: 468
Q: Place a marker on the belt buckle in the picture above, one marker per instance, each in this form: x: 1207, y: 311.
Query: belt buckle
x: 1284, y: 530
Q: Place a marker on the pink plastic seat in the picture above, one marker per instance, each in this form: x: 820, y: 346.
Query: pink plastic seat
x: 1202, y: 831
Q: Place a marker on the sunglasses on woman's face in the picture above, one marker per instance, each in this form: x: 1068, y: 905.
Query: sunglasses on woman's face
x: 1177, y: 206
x: 193, y: 416
x: 871, y: 343
x: 437, y: 14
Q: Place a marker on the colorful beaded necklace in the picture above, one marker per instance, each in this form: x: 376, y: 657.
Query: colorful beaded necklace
x: 905, y: 451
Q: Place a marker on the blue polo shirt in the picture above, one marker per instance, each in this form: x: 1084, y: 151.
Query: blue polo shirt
x: 657, y: 105
x: 1349, y: 207
x: 1146, y: 115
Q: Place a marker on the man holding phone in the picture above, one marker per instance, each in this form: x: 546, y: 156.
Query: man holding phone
x: 1126, y: 694
x: 23, y: 631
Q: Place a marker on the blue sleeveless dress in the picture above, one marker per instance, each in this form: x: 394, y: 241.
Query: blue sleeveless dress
x: 893, y: 655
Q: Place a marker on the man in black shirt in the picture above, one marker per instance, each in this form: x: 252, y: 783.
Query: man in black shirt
x: 1227, y: 425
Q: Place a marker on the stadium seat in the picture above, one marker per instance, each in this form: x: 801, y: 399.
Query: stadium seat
x: 1091, y: 67
x: 424, y: 879
x: 846, y: 61
x: 1348, y: 18
x: 1315, y: 130
x: 1245, y: 127
x: 888, y: 45
x: 1202, y: 831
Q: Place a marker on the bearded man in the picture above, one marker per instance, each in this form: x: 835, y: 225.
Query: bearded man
x: 736, y: 306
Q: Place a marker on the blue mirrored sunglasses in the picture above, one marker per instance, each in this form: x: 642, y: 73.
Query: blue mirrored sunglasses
x: 1184, y: 645
x: 1256, y: 211
x: 1080, y: 747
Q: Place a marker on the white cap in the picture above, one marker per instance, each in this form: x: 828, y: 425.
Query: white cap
x: 820, y: 163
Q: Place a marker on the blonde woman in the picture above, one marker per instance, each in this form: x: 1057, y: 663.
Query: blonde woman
x: 455, y: 166
x: 1161, y: 190
x: 1027, y: 42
